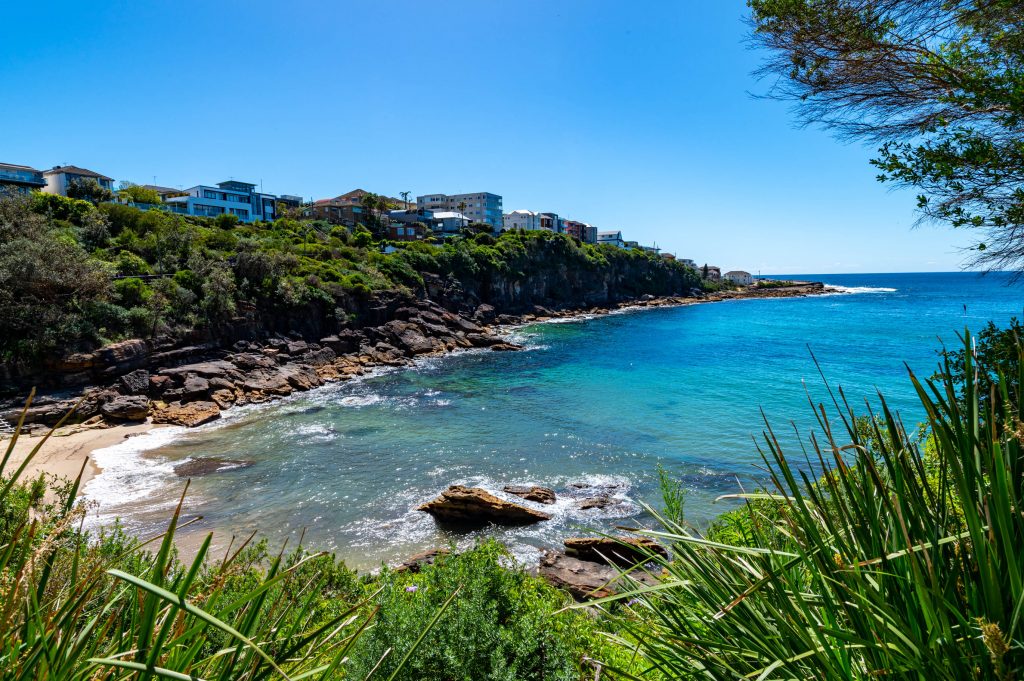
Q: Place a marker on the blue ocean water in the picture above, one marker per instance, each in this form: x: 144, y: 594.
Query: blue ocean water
x: 590, y: 409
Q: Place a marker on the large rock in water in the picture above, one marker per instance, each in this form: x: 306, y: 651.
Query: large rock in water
x: 625, y: 552
x: 475, y: 506
x: 190, y: 415
x: 542, y: 495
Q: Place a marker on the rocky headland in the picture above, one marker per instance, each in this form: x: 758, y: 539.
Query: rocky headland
x: 170, y: 382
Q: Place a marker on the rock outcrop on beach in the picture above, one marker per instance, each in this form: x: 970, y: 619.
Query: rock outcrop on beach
x: 473, y: 506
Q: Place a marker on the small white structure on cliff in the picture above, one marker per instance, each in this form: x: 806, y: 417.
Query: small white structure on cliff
x: 739, y: 277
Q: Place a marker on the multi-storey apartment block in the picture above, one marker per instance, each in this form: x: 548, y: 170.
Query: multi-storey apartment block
x: 232, y: 197
x: 478, y: 207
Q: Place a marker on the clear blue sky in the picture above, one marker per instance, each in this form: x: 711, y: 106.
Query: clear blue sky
x: 628, y: 115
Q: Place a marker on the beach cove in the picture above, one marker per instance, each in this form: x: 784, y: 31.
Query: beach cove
x: 349, y: 462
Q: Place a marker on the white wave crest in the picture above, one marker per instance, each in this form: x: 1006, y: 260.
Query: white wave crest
x: 859, y: 289
x: 126, y: 475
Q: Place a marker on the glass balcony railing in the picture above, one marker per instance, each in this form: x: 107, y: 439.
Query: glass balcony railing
x: 22, y: 176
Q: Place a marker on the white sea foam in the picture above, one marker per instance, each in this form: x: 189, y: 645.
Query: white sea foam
x: 127, y: 475
x: 858, y: 289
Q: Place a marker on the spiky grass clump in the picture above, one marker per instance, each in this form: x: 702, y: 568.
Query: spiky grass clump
x: 895, y: 563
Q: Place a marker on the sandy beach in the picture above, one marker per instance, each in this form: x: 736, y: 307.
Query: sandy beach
x: 64, y: 453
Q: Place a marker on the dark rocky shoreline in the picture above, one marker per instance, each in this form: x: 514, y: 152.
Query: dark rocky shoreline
x: 191, y: 385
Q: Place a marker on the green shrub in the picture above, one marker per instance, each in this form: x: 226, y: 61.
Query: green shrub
x: 502, y: 625
x: 129, y: 264
x: 131, y: 292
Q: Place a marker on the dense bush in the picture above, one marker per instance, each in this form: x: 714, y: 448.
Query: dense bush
x: 59, y: 254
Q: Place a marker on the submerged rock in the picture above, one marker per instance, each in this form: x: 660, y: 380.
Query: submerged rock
x: 206, y: 465
x: 625, y: 552
x: 475, y: 506
x: 542, y: 495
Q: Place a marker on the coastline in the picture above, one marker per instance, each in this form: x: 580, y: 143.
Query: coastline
x: 71, y: 447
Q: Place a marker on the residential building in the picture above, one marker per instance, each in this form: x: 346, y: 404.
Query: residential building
x: 551, y: 222
x: 164, y: 192
x: 586, y: 233
x: 59, y: 178
x: 20, y: 179
x: 688, y: 262
x: 668, y: 256
x: 287, y: 201
x: 401, y: 231
x: 231, y: 197
x: 478, y: 207
x: 521, y: 219
x: 711, y: 273
x: 448, y: 222
x: 739, y: 277
x: 611, y: 238
x: 653, y: 250
x: 345, y: 209
x: 346, y: 214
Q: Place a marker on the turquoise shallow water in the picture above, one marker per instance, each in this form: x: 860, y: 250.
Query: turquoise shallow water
x: 596, y: 402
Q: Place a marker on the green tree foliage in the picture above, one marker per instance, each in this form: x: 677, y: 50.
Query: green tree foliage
x: 89, y: 190
x: 135, y: 193
x: 938, y: 82
x: 48, y: 284
x: 206, y: 269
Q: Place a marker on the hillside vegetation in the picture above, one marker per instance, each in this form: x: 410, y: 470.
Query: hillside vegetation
x: 74, y: 276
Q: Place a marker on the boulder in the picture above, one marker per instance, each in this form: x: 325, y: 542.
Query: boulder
x: 202, y: 369
x: 158, y: 384
x: 596, y: 502
x: 123, y: 356
x: 416, y: 562
x: 506, y: 347
x: 127, y: 408
x: 224, y: 398
x: 542, y: 495
x: 581, y: 578
x: 296, y: 348
x: 587, y: 580
x: 208, y: 464
x: 194, y: 387
x: 483, y: 340
x: 624, y: 552
x: 475, y: 506
x: 247, y: 361
x: 300, y: 376
x: 189, y: 415
x: 135, y: 382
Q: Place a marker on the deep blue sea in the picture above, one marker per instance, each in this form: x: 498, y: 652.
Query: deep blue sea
x: 590, y: 409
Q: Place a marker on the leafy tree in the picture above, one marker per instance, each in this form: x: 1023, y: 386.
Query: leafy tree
x: 89, y: 190
x: 938, y: 83
x: 47, y: 283
x: 135, y: 193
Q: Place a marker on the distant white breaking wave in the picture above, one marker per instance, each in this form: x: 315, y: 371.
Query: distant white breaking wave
x: 859, y: 289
